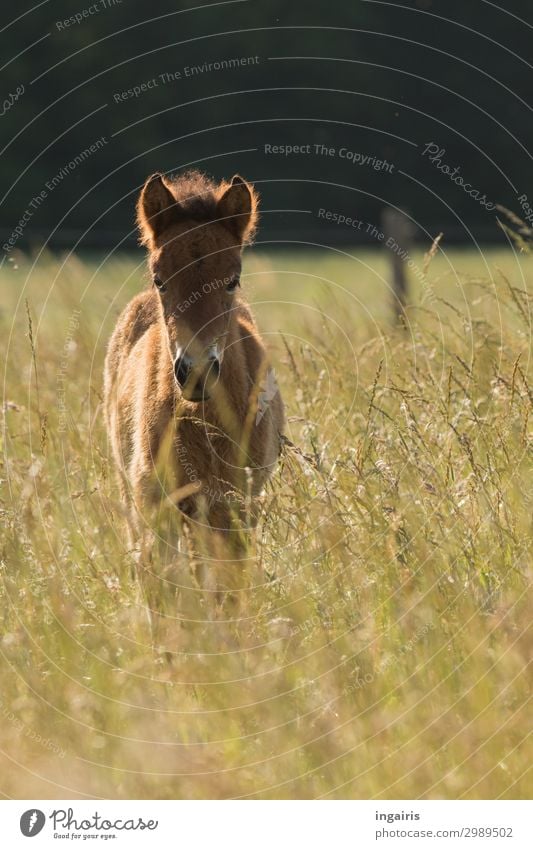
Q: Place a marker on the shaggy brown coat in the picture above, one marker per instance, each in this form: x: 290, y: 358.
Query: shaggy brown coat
x: 163, y: 443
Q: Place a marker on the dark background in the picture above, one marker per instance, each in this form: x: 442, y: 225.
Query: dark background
x: 375, y: 77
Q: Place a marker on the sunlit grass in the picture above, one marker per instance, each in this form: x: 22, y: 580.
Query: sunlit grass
x: 383, y: 649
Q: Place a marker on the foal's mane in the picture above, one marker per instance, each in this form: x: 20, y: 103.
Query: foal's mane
x: 196, y: 194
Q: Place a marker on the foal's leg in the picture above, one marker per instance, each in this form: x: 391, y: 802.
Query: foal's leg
x: 162, y: 564
x: 231, y: 564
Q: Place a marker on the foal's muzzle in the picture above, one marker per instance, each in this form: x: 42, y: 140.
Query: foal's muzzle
x: 196, y: 378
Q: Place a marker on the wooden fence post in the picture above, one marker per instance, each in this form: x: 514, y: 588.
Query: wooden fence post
x: 399, y: 232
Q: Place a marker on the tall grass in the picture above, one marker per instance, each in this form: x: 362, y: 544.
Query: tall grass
x: 382, y: 650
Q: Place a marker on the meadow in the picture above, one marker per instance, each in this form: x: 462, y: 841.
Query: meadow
x: 382, y: 650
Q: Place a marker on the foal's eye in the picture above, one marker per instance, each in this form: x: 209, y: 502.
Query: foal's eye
x: 159, y: 284
x: 232, y: 285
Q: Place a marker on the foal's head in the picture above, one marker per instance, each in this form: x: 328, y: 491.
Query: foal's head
x: 194, y: 231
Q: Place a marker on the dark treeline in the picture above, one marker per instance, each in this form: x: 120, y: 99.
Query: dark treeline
x: 334, y: 110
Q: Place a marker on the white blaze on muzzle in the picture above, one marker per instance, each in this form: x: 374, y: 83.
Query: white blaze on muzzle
x: 215, y: 352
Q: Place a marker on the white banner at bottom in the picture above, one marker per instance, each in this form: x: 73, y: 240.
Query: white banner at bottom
x: 267, y: 824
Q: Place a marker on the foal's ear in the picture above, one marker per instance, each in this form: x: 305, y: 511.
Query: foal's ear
x: 237, y: 209
x: 156, y: 208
